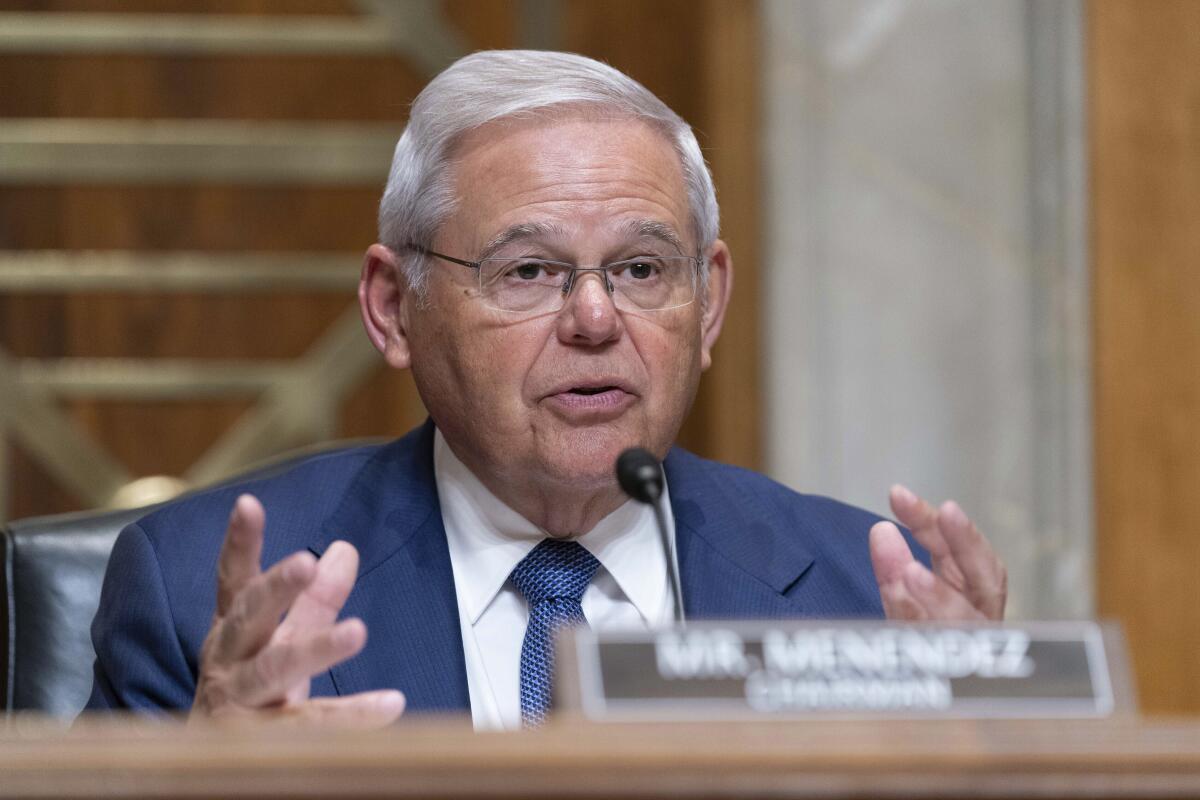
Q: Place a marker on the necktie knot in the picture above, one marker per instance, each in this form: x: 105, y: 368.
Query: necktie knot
x: 555, y: 570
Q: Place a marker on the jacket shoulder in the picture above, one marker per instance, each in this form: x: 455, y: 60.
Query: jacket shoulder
x: 296, y: 497
x: 753, y: 489
x: 814, y: 550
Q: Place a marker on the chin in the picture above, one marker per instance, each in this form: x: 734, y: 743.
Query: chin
x: 587, y: 458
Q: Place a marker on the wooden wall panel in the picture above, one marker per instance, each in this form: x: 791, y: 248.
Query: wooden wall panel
x: 698, y: 57
x: 273, y: 7
x: 657, y: 42
x: 32, y: 490
x: 209, y: 217
x: 255, y: 87
x: 486, y: 24
x: 728, y: 416
x: 165, y: 437
x: 1145, y: 139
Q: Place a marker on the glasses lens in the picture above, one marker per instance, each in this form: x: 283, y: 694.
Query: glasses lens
x: 653, y: 283
x: 523, y: 285
x: 531, y: 286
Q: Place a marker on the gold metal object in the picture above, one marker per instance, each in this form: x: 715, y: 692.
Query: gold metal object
x: 147, y: 491
x: 29, y: 415
x: 82, y: 151
x: 131, y: 271
x: 419, y: 35
x: 298, y: 400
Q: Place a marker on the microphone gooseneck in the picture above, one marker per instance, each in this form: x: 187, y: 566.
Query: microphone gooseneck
x: 640, y: 476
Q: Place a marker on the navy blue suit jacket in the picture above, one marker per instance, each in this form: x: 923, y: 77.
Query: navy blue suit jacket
x: 748, y: 547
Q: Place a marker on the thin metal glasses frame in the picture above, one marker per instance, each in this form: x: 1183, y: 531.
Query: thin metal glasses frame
x: 569, y: 284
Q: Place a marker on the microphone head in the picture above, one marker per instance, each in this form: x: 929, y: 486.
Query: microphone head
x: 639, y: 474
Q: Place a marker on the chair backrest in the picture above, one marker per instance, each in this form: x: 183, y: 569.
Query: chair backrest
x: 52, y: 572
x: 53, y: 569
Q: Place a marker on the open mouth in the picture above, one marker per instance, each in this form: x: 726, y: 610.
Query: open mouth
x: 593, y: 403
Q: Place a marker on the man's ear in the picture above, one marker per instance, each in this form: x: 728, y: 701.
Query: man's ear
x: 720, y: 286
x: 382, y: 292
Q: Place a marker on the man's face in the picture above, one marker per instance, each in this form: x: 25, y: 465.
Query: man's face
x: 555, y: 398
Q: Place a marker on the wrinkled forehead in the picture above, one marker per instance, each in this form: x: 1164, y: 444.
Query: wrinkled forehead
x: 649, y: 236
x: 563, y: 176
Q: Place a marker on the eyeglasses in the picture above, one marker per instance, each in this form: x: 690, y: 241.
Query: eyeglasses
x: 538, y: 286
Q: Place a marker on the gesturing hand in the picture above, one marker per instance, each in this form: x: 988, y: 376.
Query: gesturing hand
x: 257, y: 667
x: 968, y: 581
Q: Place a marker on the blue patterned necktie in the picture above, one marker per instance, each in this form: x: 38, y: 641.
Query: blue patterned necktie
x: 553, y: 578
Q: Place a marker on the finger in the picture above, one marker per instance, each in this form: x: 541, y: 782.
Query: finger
x: 364, y: 711
x: 241, y: 552
x: 267, y: 677
x: 919, y: 517
x: 898, y: 604
x: 984, y: 577
x: 319, y: 605
x: 890, y: 556
x: 890, y: 553
x: 923, y: 520
x: 257, y: 609
x: 940, y: 600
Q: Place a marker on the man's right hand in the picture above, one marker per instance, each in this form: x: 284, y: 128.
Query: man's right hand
x: 274, y: 630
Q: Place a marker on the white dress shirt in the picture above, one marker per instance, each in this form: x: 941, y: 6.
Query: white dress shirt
x: 488, y: 539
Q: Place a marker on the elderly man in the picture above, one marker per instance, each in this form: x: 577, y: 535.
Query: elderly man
x: 550, y: 270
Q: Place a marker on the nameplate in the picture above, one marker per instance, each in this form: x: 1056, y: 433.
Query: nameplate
x: 753, y: 670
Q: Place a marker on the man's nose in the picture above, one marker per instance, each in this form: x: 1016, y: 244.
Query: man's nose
x: 589, y: 315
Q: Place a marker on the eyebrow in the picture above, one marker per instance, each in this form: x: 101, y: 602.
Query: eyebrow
x: 638, y: 228
x: 641, y: 228
x: 517, y: 233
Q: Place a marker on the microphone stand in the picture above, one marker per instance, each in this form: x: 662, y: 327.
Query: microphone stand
x: 672, y: 565
x: 641, y: 477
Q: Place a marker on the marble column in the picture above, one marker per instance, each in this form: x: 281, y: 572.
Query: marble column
x: 925, y: 275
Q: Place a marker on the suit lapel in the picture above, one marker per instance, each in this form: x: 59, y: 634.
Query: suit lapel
x: 405, y: 588
x: 732, y: 564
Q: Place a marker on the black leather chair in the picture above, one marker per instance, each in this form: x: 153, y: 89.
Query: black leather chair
x: 52, y: 572
x: 53, y: 568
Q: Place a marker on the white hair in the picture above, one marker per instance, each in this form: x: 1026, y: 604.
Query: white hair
x: 495, y: 84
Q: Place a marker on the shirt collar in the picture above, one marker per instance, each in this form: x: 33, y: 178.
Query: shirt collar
x: 487, y: 539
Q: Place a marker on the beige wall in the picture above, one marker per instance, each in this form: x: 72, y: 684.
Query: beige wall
x: 926, y: 234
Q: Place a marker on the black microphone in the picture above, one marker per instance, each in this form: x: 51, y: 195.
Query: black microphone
x: 640, y: 476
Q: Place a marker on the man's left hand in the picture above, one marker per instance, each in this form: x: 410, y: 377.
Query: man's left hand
x: 967, y: 582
